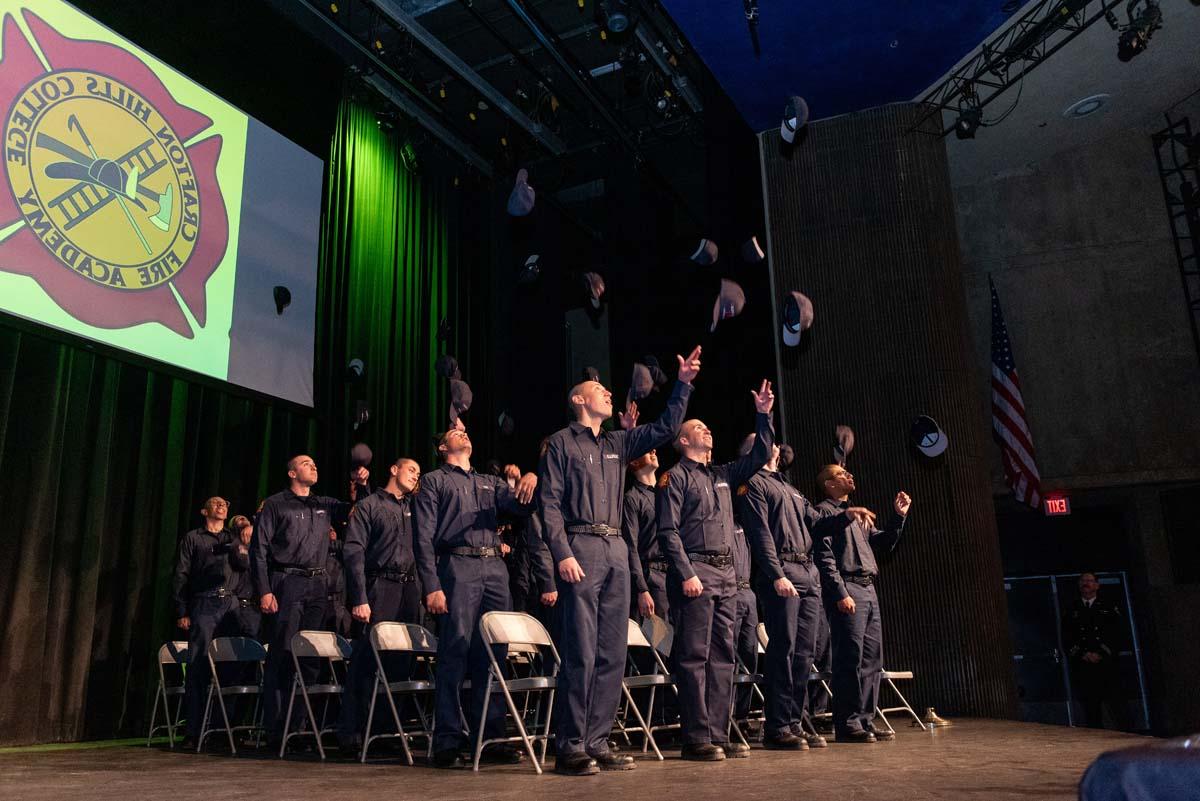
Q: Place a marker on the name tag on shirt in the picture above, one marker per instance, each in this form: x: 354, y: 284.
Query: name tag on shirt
x: 721, y: 484
x: 318, y: 512
x: 611, y: 456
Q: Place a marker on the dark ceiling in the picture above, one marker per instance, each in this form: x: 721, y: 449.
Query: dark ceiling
x: 840, y: 56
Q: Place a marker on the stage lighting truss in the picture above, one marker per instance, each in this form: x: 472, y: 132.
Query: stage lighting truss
x: 1005, y: 59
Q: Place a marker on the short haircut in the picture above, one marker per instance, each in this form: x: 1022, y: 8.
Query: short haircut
x: 827, y: 473
x: 403, y: 460
x: 575, y: 390
x: 239, y: 522
x: 638, y: 463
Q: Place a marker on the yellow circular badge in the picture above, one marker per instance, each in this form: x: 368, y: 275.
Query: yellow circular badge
x: 102, y: 179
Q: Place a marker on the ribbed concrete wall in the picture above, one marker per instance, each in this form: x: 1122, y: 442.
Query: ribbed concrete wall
x: 861, y: 219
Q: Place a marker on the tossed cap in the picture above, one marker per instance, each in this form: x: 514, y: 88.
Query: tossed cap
x: 594, y: 285
x: 521, y: 199
x: 531, y: 270
x: 795, y: 117
x: 360, y: 455
x: 752, y: 252
x: 704, y: 252
x: 928, y: 437
x: 729, y: 303
x: 843, y: 444
x: 642, y: 383
x: 797, y: 317
x: 447, y: 367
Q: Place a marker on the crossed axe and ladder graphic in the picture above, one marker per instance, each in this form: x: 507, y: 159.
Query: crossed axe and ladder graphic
x: 99, y: 181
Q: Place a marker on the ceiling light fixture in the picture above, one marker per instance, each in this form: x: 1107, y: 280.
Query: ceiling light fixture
x: 1086, y: 106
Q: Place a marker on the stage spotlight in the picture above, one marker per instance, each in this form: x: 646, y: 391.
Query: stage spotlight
x: 969, y: 120
x: 617, y: 15
x: 1135, y: 38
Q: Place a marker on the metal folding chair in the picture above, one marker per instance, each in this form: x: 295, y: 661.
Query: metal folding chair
x: 890, y: 677
x: 421, y: 646
x: 637, y: 679
x: 742, y: 676
x: 661, y: 637
x: 522, y: 635
x: 223, y: 651
x: 172, y: 657
x: 333, y: 650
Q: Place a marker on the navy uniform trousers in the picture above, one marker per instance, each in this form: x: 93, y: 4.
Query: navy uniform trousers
x: 857, y: 659
x: 703, y: 651
x: 211, y: 616
x: 745, y: 635
x: 473, y: 586
x: 391, y: 601
x: 594, y: 631
x: 302, y: 606
x: 792, y: 625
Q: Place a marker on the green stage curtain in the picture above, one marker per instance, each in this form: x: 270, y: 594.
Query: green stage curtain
x: 104, y: 464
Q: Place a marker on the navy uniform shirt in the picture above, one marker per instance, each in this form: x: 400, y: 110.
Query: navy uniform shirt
x: 582, y: 475
x: 197, y: 568
x: 741, y: 553
x: 778, y: 519
x: 457, y: 509
x: 240, y: 583
x: 695, y: 507
x: 1096, y: 629
x: 844, y: 547
x: 379, y: 537
x: 640, y: 529
x: 293, y: 531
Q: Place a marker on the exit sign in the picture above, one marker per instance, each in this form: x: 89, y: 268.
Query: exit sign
x: 1057, y: 505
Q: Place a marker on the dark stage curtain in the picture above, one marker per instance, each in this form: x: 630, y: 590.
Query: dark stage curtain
x: 105, y: 463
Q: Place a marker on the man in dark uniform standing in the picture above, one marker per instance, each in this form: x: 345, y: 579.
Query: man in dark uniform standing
x: 582, y: 476
x: 1092, y: 632
x: 456, y: 517
x: 337, y: 616
x: 647, y: 567
x: 778, y: 521
x: 381, y: 582
x: 288, y: 554
x: 695, y: 530
x: 845, y: 537
x: 205, y: 606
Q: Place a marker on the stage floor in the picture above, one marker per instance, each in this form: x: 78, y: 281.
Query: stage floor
x: 974, y: 759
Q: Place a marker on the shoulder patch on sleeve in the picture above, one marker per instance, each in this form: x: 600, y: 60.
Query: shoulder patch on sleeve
x: 664, y: 480
x: 742, y: 490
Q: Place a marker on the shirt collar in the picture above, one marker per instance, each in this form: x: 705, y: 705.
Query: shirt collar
x: 453, y: 468
x: 690, y: 464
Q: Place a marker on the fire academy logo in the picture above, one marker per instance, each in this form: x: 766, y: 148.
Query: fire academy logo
x: 114, y: 181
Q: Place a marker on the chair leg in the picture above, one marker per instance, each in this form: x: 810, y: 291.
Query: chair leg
x: 647, y: 736
x: 487, y: 697
x: 512, y: 708
x: 312, y: 719
x: 370, y: 720
x: 154, y: 716
x: 287, y: 720
x: 204, y: 732
x: 224, y: 713
x: 408, y: 757
x: 912, y: 712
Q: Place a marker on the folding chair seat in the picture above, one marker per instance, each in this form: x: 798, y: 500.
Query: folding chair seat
x: 637, y: 678
x: 172, y: 664
x: 890, y: 677
x: 420, y: 644
x: 225, y: 651
x: 332, y: 650
x: 530, y: 668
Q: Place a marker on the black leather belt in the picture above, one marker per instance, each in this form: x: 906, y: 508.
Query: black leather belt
x: 658, y: 564
x: 862, y: 581
x: 335, y: 596
x: 477, y: 553
x: 743, y: 585
x: 714, y: 559
x: 598, y: 530
x: 392, y: 574
x: 796, y: 558
x: 219, y: 592
x: 308, y: 572
x: 247, y: 603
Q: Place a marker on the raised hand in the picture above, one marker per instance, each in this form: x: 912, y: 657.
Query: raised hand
x: 902, y: 503
x: 629, y: 417
x: 764, y: 399
x: 861, y: 515
x: 689, y: 368
x: 526, y: 487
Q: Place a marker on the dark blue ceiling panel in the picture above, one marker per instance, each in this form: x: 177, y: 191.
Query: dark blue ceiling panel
x: 840, y: 55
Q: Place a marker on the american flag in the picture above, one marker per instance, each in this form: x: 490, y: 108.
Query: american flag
x: 1008, y: 415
